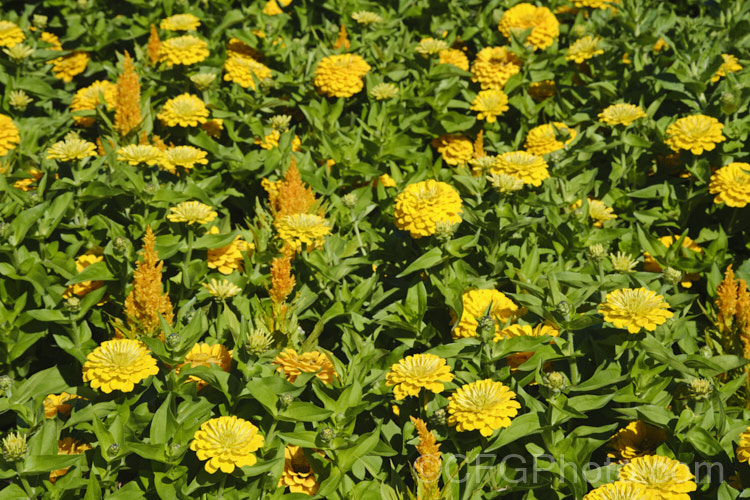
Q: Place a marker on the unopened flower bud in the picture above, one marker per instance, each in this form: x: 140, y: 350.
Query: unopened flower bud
x: 73, y: 305
x: 597, y: 252
x: 444, y: 230
x: 706, y: 352
x: 33, y: 198
x: 349, y: 200
x: 39, y: 21
x: 672, y: 275
x: 563, y: 307
x: 326, y: 434
x: 14, y: 447
x: 113, y: 450
x: 150, y: 188
x: 18, y: 99
x: 728, y: 103
x: 259, y: 341
x: 6, y: 383
x: 556, y: 381
x: 286, y: 399
x: 120, y: 245
x: 439, y: 418
x: 486, y: 328
x: 173, y: 340
x: 280, y: 122
x: 579, y: 31
x: 700, y: 389
x: 203, y: 80
x: 19, y: 52
x: 173, y: 450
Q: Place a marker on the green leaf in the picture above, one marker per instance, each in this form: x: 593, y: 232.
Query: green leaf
x: 429, y: 259
x: 299, y: 411
x: 47, y: 463
x: 98, y: 271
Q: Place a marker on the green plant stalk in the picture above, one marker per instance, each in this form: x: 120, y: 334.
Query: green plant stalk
x: 356, y: 232
x: 25, y: 483
x: 188, y: 256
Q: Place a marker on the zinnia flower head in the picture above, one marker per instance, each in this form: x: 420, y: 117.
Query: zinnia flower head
x: 223, y: 289
x: 180, y: 22
x: 596, y: 4
x: 637, y: 439
x: 9, y: 135
x: 182, y: 156
x: 621, y: 114
x: 293, y: 364
x: 429, y: 46
x: 421, y: 205
x: 296, y: 229
x: 192, y: 212
x: 71, y: 148
x: 298, y: 475
x: 483, y: 405
x: 531, y: 169
x: 67, y: 446
x: 383, y: 91
x: 494, y: 66
x: 58, y: 403
x: 92, y: 256
x: 66, y: 67
x: 244, y: 70
x: 695, y: 133
x: 731, y: 185
x: 583, y: 49
x: 419, y: 371
x: 660, y: 476
x: 743, y: 448
x: 10, y: 34
x: 226, y: 443
x: 366, y: 17
x: 544, y: 25
x: 455, y: 57
x: 135, y: 154
x: 341, y: 75
x: 651, y: 265
x: 475, y: 304
x: 118, y: 364
x: 600, y: 212
x: 228, y: 258
x: 185, y: 110
x: 730, y: 65
x: 619, y: 490
x: 455, y: 148
x: 635, y: 308
x: 184, y: 50
x: 490, y: 104
x: 203, y: 354
x: 544, y: 138
x: 88, y: 98
x: 517, y: 330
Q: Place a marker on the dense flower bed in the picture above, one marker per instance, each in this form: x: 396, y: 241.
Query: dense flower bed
x: 345, y: 249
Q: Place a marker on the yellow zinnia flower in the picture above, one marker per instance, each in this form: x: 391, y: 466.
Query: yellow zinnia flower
x: 10, y: 34
x: 293, y: 364
x: 226, y: 443
x: 92, y: 256
x: 544, y: 24
x: 88, y: 98
x: 531, y: 169
x: 420, y: 206
x: 455, y: 148
x: 341, y: 75
x: 635, y: 308
x: 596, y: 4
x: 384, y: 91
x: 66, y: 67
x: 180, y: 22
x: 118, y: 365
x: 67, y: 446
x: 730, y: 65
x: 475, y: 304
x: 483, y: 405
x: 71, y: 148
x: 743, y: 448
x: 619, y: 490
x: 660, y: 476
x: 695, y: 133
x: 494, y: 66
x: 731, y: 185
x: 228, y: 258
x: 184, y: 50
x: 185, y: 110
x: 365, y: 17
x: 298, y: 476
x: 223, y: 289
x: 140, y: 153
x: 637, y: 439
x: 203, y: 354
x: 544, y: 138
x: 600, y: 212
x: 455, y: 57
x: 583, y: 49
x: 516, y: 330
x: 58, y: 403
x: 621, y: 114
x: 296, y: 229
x: 490, y: 104
x: 413, y: 373
x: 182, y: 156
x: 192, y: 212
x: 244, y: 70
x: 9, y: 135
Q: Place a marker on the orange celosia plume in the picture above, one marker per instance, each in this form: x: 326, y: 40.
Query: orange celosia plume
x: 342, y: 40
x: 128, y: 107
x: 479, y: 145
x: 154, y: 45
x: 291, y: 196
x: 146, y: 301
x: 429, y: 463
x: 282, y: 279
